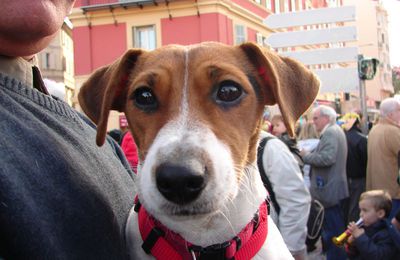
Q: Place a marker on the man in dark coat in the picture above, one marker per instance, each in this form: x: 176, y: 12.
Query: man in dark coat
x: 356, y: 166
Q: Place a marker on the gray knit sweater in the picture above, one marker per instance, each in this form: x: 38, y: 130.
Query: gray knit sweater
x: 61, y: 196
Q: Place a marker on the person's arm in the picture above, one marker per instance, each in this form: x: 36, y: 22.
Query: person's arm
x: 291, y: 194
x: 363, y: 150
x: 325, y: 154
x: 383, y: 248
x: 392, y: 139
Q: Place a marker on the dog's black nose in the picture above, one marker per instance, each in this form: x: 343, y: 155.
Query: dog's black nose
x: 179, y: 184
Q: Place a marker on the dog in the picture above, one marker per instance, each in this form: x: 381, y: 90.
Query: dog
x: 195, y: 113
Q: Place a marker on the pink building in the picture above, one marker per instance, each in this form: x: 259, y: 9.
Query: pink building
x: 105, y: 29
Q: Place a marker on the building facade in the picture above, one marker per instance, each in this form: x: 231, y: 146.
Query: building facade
x: 373, y: 41
x: 105, y: 29
x: 56, y: 64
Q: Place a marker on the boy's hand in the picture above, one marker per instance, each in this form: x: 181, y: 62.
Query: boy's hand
x: 355, y: 230
x: 350, y: 240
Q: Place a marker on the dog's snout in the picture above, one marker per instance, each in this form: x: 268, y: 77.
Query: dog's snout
x: 179, y: 184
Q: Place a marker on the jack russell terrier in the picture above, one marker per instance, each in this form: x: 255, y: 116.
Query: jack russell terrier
x: 195, y: 113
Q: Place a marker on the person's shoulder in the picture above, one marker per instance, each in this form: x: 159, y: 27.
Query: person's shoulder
x: 381, y: 229
x: 356, y: 134
x: 275, y: 142
x: 336, y: 131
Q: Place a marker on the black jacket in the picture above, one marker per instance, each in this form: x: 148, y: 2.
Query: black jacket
x: 357, y: 154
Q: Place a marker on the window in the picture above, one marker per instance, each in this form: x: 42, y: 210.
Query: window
x: 277, y: 6
x: 47, y: 60
x: 268, y: 4
x: 64, y: 63
x: 240, y: 36
x: 144, y: 37
x: 293, y: 5
x: 286, y: 6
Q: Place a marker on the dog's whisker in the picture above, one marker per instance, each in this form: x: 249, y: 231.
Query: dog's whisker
x: 227, y: 220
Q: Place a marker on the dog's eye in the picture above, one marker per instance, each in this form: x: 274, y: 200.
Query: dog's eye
x: 229, y: 91
x: 145, y: 99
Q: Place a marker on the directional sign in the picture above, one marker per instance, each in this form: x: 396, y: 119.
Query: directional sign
x: 309, y: 17
x: 338, y: 80
x: 324, y: 56
x: 333, y: 80
x: 311, y: 37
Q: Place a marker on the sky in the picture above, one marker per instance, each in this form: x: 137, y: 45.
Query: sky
x: 393, y: 9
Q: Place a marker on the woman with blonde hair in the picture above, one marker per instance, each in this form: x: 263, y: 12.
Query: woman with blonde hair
x: 308, y: 131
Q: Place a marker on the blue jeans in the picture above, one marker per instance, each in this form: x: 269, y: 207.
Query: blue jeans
x: 333, y: 226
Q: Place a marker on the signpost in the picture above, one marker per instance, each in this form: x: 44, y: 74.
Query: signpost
x: 316, y: 16
x: 312, y: 37
x: 336, y: 78
x: 324, y: 56
x: 315, y: 56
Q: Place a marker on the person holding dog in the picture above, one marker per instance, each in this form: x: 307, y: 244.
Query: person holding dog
x: 61, y: 196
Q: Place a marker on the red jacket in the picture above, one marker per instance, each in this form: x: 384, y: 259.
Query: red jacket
x: 130, y: 150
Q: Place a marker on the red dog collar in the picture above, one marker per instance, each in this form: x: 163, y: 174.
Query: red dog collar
x: 165, y: 244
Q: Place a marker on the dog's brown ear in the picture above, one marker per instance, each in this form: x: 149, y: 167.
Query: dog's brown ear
x: 285, y: 81
x: 106, y: 90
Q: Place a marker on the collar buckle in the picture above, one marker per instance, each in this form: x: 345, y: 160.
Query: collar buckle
x: 213, y: 252
x: 152, y: 238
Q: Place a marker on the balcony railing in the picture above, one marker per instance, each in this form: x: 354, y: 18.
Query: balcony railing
x: 108, y: 2
x: 87, y: 5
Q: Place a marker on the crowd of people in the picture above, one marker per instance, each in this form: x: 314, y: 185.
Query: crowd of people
x: 337, y: 173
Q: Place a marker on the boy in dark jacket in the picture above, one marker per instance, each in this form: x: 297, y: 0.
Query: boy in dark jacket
x: 373, y: 240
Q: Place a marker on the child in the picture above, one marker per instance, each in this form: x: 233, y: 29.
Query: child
x: 278, y: 126
x: 373, y: 240
x: 280, y: 131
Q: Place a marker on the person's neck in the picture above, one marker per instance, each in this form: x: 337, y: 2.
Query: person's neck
x: 324, y: 129
x: 28, y: 58
x: 388, y: 120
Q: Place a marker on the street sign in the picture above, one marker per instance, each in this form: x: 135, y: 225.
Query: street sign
x: 312, y: 37
x: 324, y: 56
x: 309, y: 17
x: 321, y: 44
x: 338, y: 80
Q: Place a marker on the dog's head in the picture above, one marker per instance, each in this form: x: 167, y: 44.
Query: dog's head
x: 195, y: 114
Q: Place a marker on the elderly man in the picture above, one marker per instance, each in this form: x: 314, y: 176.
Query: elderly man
x: 328, y: 179
x: 383, y: 149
